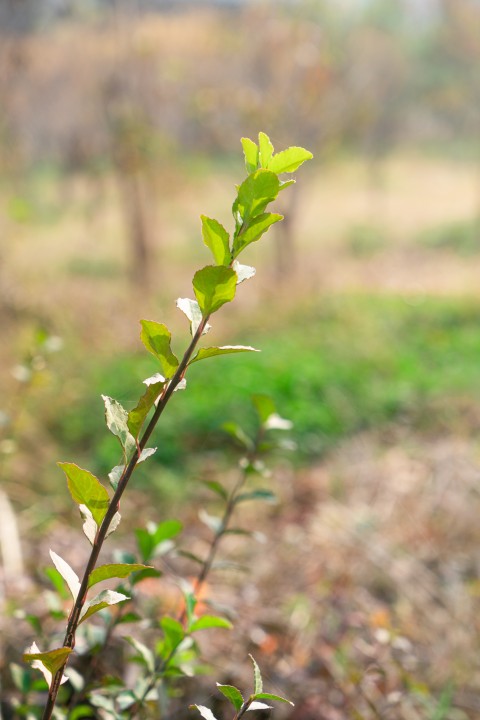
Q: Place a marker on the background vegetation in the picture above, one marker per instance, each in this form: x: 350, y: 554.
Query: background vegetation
x: 119, y: 125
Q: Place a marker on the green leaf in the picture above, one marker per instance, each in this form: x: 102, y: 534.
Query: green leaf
x: 250, y: 151
x: 69, y: 575
x: 214, y: 286
x: 52, y: 660
x: 289, y: 160
x: 264, y: 406
x: 143, y: 652
x: 21, y: 677
x: 34, y: 622
x: 145, y: 543
x: 266, y: 149
x: 173, y: 631
x: 217, y: 239
x: 117, y: 422
x: 190, y: 603
x: 253, y: 231
x: 80, y: 712
x: 205, y: 353
x: 114, y: 570
x: 206, y: 622
x: 57, y: 581
x: 271, y: 696
x: 217, y: 488
x: 129, y: 617
x: 204, y: 712
x: 191, y: 308
x: 257, y: 677
x: 254, y: 194
x: 136, y: 417
x: 233, y: 694
x: 86, y: 490
x: 233, y: 429
x: 166, y: 530
x: 156, y: 338
x: 256, y: 495
x: 100, y: 601
x: 149, y: 572
x: 148, y: 540
x: 286, y: 183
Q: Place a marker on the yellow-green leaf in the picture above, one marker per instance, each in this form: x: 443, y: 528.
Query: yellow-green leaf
x: 217, y: 239
x: 136, y: 417
x: 250, y: 151
x: 289, y: 160
x: 214, y: 286
x: 114, y: 570
x: 53, y: 660
x: 86, y: 490
x: 204, y: 353
x: 157, y: 338
x: 254, y: 230
x: 100, y: 601
x: 266, y: 149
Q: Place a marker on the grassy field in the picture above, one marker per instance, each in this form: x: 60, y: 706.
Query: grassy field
x: 348, y: 364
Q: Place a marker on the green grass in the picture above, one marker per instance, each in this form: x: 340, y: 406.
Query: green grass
x: 462, y: 237
x: 349, y: 364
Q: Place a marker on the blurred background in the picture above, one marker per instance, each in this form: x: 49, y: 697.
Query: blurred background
x: 120, y: 123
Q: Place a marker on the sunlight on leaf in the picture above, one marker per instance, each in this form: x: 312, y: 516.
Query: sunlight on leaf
x: 214, y: 285
x: 114, y: 570
x: 191, y: 309
x: 257, y: 676
x: 69, y: 575
x: 100, y: 601
x: 204, y: 712
x: 47, y: 662
x: 231, y: 693
x: 86, y: 490
x: 217, y: 239
x: 204, y: 353
x: 157, y: 338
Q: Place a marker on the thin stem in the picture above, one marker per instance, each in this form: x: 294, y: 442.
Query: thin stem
x: 243, y: 709
x: 207, y: 563
x: 74, y: 618
x: 227, y: 515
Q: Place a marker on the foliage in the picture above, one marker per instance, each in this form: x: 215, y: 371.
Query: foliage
x: 214, y: 286
x: 240, y: 704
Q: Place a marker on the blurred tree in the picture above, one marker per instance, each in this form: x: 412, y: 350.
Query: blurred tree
x: 460, y: 45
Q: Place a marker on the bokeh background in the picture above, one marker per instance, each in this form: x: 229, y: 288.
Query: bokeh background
x: 120, y: 124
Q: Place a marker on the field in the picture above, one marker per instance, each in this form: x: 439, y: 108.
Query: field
x: 361, y: 598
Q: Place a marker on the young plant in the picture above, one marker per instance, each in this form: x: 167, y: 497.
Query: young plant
x: 213, y: 286
x: 177, y: 648
x: 240, y: 704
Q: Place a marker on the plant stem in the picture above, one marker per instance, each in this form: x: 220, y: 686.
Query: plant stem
x: 227, y: 515
x: 243, y: 709
x: 74, y: 617
x: 207, y: 563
